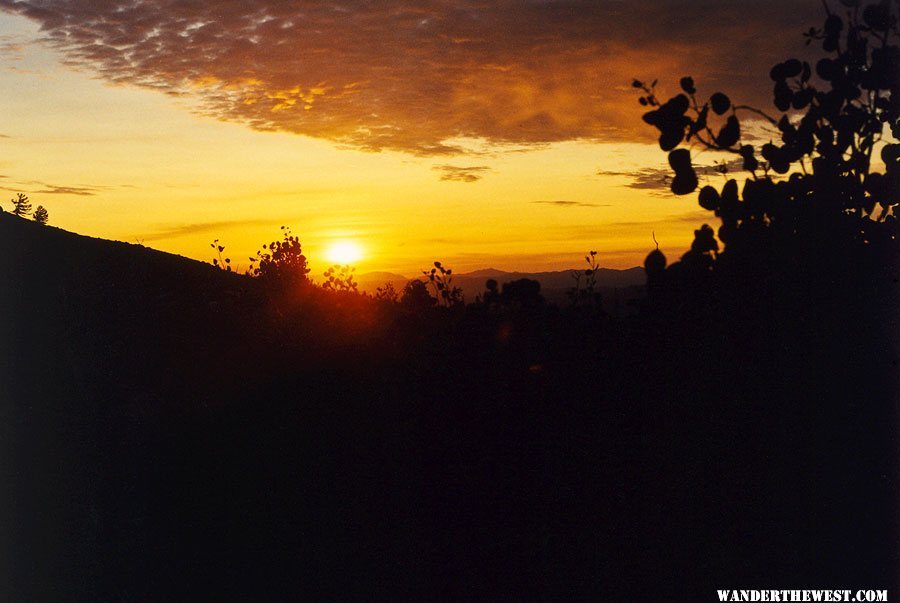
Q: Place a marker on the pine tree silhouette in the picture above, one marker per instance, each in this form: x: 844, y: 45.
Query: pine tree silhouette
x: 21, y: 205
x: 41, y: 215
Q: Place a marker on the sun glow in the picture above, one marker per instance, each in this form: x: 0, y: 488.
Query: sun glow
x: 344, y: 252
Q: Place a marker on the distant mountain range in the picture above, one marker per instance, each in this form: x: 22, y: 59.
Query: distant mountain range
x: 554, y: 284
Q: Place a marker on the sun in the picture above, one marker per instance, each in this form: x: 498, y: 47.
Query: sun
x: 344, y: 252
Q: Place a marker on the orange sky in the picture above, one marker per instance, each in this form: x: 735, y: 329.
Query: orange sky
x: 501, y: 134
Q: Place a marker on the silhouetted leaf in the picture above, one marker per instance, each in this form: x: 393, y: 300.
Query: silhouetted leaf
x: 877, y: 16
x: 709, y: 198
x: 685, y: 180
x: 801, y: 99
x: 750, y: 162
x: 720, y: 103
x: 670, y: 138
x: 730, y: 133
x: 783, y: 95
x: 833, y: 25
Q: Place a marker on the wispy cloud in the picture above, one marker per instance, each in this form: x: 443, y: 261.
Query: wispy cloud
x: 573, y: 204
x: 82, y: 191
x: 659, y: 179
x: 37, y: 187
x: 694, y: 217
x: 456, y: 173
x: 12, y: 48
x: 416, y: 76
x: 173, y: 231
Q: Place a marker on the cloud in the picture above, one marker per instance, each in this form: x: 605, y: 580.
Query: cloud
x: 693, y: 217
x: 652, y: 179
x: 573, y: 204
x: 11, y: 48
x: 50, y: 189
x: 660, y: 179
x: 170, y: 231
x: 414, y: 77
x: 455, y: 173
x: 36, y: 187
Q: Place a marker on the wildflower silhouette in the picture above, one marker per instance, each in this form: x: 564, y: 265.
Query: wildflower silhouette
x: 440, y: 279
x: 584, y: 293
x: 219, y: 261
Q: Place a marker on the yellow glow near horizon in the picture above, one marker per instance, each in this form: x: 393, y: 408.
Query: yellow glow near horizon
x: 344, y: 252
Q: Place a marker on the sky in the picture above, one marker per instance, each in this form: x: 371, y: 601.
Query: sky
x: 482, y: 134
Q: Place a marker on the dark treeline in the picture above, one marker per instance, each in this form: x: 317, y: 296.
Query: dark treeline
x: 173, y: 431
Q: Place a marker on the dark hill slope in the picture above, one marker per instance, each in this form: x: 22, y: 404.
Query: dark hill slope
x: 99, y: 340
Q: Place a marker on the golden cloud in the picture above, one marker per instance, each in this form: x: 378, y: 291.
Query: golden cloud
x: 415, y: 76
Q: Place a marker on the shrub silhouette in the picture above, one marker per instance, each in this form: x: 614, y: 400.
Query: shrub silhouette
x: 522, y: 293
x: 818, y: 186
x: 21, y: 205
x: 281, y: 264
x: 41, y: 215
x: 387, y: 293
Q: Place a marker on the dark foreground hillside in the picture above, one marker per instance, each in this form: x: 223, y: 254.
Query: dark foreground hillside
x: 172, y: 432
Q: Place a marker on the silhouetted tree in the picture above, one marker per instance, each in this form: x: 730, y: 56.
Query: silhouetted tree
x: 281, y: 263
x: 21, y: 205
x: 41, y: 215
x: 817, y: 187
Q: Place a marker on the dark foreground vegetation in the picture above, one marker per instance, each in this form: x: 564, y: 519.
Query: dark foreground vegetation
x: 175, y: 431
